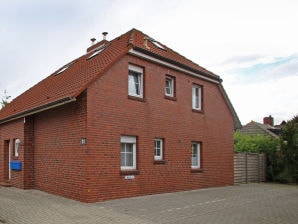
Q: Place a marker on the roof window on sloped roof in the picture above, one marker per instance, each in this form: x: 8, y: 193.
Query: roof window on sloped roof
x: 98, y: 50
x: 157, y: 44
x: 63, y: 68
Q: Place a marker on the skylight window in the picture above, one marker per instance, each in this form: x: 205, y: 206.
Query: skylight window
x: 65, y: 67
x: 97, y: 51
x: 157, y: 44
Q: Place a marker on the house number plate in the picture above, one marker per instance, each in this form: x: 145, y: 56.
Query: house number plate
x: 130, y: 177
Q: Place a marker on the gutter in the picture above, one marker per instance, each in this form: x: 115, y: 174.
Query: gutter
x: 38, y: 109
x: 237, y: 122
x: 139, y: 52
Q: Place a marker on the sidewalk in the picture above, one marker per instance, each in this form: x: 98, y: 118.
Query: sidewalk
x: 251, y: 203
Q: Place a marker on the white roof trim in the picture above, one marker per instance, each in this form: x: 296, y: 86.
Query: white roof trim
x: 158, y: 61
x: 25, y: 114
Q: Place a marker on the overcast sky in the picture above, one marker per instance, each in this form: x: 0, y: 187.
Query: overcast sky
x: 252, y: 45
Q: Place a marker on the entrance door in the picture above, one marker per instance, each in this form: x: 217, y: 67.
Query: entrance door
x: 6, y: 160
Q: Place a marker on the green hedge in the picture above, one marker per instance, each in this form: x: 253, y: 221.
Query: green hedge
x: 281, y: 154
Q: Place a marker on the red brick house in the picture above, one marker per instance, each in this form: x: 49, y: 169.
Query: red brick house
x: 130, y: 117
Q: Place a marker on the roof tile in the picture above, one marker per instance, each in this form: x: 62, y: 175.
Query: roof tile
x: 82, y: 72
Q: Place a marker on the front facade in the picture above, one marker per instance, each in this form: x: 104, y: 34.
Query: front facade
x: 148, y: 122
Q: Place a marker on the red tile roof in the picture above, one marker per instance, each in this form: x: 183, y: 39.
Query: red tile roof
x: 63, y: 87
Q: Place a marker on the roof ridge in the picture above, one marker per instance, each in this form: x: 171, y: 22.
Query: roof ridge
x: 108, y: 66
x: 83, y: 72
x: 265, y: 127
x: 131, y: 37
x: 171, y: 50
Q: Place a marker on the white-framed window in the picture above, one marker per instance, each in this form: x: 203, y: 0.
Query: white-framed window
x: 135, y: 81
x: 169, y: 87
x: 128, y: 152
x: 16, y: 147
x: 196, y: 97
x: 195, y: 155
x: 158, y: 149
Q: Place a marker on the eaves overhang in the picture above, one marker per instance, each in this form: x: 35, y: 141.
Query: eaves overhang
x: 140, y: 52
x: 38, y: 109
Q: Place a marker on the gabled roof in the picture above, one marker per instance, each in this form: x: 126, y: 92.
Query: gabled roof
x: 65, y: 84
x: 255, y: 128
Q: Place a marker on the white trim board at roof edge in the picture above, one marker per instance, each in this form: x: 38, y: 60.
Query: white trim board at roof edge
x: 158, y: 61
x: 35, y: 111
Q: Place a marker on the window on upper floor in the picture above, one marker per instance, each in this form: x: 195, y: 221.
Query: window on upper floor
x: 196, y: 97
x: 170, y: 86
x: 135, y: 81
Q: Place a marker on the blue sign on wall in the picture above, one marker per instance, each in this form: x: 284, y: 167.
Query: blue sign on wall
x: 15, y: 165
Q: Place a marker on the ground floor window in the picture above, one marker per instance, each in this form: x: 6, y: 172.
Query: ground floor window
x: 16, y: 147
x: 128, y: 152
x: 195, y: 155
x: 158, y: 149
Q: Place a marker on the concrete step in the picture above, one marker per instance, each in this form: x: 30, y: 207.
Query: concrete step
x: 5, y: 184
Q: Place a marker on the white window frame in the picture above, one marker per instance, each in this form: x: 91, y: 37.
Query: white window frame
x: 196, y: 156
x: 135, y: 85
x: 160, y: 148
x: 196, y: 97
x: 171, y: 86
x: 16, y: 147
x: 128, y: 140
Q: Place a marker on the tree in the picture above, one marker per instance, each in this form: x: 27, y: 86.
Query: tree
x: 289, y: 152
x: 5, y: 99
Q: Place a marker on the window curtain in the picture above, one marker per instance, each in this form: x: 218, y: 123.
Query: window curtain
x: 134, y: 83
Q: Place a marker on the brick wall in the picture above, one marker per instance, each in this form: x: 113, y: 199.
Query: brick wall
x: 91, y: 172
x: 59, y: 156
x: 28, y: 164
x: 9, y: 132
x: 112, y: 114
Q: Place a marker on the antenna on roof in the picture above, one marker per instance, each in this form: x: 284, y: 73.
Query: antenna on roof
x: 104, y: 35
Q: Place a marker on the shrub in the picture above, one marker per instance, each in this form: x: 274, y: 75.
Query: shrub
x: 253, y: 143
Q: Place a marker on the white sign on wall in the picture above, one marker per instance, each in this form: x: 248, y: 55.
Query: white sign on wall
x: 130, y: 177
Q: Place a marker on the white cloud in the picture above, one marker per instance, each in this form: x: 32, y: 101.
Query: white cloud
x: 273, y: 92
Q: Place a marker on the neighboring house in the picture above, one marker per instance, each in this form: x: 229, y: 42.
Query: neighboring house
x: 267, y: 128
x: 130, y: 117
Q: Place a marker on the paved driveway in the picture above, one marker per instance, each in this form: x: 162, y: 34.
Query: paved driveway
x: 251, y: 203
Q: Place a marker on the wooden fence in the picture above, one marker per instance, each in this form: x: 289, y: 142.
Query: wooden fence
x: 249, y: 167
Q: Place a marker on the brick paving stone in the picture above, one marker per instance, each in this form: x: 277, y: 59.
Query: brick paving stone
x: 249, y: 203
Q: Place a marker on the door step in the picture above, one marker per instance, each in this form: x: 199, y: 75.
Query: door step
x: 5, y: 184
